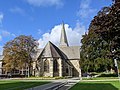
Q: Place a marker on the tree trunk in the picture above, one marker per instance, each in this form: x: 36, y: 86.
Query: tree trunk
x: 22, y: 71
x: 29, y: 71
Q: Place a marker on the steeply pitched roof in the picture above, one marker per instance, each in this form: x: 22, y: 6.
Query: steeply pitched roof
x: 63, y: 38
x: 51, y: 50
x: 72, y: 52
x: 1, y: 57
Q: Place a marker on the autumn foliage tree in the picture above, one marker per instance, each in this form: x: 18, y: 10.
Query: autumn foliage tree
x: 18, y: 53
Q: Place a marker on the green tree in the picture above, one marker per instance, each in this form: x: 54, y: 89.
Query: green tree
x: 107, y: 25
x: 94, y: 53
x: 101, y: 45
x: 18, y: 53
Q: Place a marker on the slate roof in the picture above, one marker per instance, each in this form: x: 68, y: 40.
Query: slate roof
x: 1, y: 57
x: 51, y: 50
x: 39, y: 51
x: 72, y: 52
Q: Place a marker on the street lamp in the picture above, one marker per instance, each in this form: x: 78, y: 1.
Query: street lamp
x: 116, y: 65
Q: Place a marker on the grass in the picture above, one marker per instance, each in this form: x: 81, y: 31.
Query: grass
x: 19, y: 84
x: 103, y: 85
x: 83, y: 85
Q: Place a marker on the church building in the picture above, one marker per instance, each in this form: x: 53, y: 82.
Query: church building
x: 55, y: 61
x: 1, y: 58
x: 58, y: 61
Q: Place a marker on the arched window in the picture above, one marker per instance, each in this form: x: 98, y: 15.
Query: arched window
x: 66, y: 70
x: 55, y: 65
x: 46, y: 66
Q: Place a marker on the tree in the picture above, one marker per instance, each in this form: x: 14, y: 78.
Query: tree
x: 107, y: 25
x: 94, y: 53
x: 102, y: 39
x: 18, y: 53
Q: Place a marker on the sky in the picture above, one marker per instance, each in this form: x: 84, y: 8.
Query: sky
x: 43, y: 18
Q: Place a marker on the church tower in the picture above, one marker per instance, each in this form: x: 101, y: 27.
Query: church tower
x: 63, y: 38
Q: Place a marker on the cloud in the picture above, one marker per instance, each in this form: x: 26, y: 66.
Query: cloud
x: 13, y: 35
x: 73, y: 35
x: 39, y: 3
x: 4, y: 33
x: 39, y: 31
x: 85, y: 9
x: 18, y: 10
x: 1, y: 18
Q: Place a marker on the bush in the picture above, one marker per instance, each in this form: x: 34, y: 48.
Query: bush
x: 108, y: 75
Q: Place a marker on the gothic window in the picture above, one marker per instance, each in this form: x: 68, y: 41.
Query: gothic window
x: 66, y: 70
x: 46, y: 66
x: 55, y: 65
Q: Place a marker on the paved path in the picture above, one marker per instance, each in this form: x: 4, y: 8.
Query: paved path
x: 44, y: 87
x: 63, y: 84
x: 69, y: 84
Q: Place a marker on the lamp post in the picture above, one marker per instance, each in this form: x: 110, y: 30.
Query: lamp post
x: 116, y: 65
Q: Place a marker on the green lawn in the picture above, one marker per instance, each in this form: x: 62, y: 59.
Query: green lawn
x: 19, y: 84
x: 103, y: 85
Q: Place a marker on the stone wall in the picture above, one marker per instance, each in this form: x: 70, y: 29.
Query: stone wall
x: 0, y: 67
x: 64, y: 69
x: 76, y: 67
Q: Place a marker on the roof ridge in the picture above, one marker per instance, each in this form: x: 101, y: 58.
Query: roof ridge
x: 50, y: 50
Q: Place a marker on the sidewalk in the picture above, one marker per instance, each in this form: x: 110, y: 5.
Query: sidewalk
x: 70, y: 84
x: 44, y: 87
x: 64, y: 84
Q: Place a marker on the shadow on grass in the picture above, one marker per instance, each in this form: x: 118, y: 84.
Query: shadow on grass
x: 94, y: 86
x: 20, y: 85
